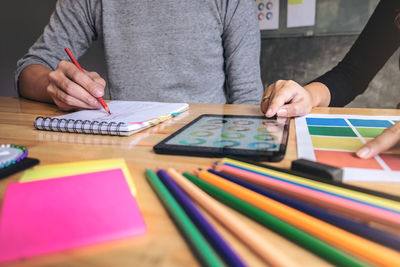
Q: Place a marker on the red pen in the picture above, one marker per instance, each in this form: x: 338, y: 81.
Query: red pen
x: 100, y: 99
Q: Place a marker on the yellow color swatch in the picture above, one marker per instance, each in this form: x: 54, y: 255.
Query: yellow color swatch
x: 340, y: 143
x: 42, y: 172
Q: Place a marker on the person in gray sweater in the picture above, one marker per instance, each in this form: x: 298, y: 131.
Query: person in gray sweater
x: 199, y: 51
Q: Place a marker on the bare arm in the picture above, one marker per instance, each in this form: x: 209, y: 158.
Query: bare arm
x: 33, y: 82
x: 66, y: 86
x: 320, y: 94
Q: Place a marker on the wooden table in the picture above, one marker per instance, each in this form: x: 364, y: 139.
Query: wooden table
x: 162, y: 245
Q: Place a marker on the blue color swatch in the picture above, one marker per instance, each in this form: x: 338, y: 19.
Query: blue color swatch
x: 326, y: 122
x: 370, y: 123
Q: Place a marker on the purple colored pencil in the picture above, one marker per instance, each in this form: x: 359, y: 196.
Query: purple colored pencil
x: 215, y: 239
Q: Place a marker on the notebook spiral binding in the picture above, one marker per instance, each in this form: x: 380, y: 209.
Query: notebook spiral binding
x: 78, y: 126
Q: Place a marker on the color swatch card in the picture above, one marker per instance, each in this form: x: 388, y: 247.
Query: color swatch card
x: 50, y: 215
x: 334, y: 139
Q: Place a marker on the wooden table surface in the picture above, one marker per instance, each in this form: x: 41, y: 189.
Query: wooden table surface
x: 162, y: 245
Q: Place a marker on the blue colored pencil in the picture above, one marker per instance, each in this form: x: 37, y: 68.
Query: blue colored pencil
x: 219, y: 244
x: 360, y: 229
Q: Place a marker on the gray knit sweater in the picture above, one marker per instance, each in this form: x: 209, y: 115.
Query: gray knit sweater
x: 204, y: 51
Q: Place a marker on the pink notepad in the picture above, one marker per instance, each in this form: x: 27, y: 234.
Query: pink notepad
x: 57, y: 214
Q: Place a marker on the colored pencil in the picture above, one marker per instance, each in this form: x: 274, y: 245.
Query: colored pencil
x: 208, y: 231
x: 200, y: 246
x: 73, y: 59
x: 345, y: 190
x: 349, y: 242
x: 387, y: 204
x: 337, y: 204
x: 263, y: 248
x: 360, y: 229
x: 308, y: 176
x: 292, y: 233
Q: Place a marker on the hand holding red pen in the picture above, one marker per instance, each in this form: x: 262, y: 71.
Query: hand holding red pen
x: 72, y: 88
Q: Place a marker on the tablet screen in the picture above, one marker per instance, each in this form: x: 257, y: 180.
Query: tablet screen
x: 239, y: 133
x: 219, y: 135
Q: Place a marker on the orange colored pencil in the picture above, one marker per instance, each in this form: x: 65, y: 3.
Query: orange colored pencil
x: 349, y: 242
x: 264, y: 250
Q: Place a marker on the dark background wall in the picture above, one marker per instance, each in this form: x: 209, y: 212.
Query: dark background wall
x: 297, y: 58
x: 303, y: 59
x: 21, y: 23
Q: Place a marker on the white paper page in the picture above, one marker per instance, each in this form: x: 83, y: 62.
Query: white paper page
x: 301, y: 13
x: 134, y: 114
x: 337, y: 149
x: 129, y: 112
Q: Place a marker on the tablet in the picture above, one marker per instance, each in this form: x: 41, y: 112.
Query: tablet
x: 254, y: 137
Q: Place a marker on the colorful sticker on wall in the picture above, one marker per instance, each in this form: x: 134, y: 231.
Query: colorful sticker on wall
x: 268, y: 14
x: 334, y: 139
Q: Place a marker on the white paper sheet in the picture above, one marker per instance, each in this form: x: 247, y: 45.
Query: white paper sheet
x: 301, y: 13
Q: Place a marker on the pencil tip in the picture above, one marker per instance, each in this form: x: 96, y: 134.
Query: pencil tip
x: 107, y: 108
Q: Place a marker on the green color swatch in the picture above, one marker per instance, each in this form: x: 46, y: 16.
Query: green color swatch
x: 331, y: 131
x: 370, y: 132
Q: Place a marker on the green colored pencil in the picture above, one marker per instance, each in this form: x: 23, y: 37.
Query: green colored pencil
x: 303, y: 239
x: 204, y: 251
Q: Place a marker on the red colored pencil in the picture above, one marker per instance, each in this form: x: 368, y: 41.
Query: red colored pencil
x: 71, y: 56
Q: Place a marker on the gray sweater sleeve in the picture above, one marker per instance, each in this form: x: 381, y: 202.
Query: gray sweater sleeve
x: 241, y: 41
x: 73, y: 25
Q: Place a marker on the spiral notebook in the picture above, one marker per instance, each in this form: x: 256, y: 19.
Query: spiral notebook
x: 127, y: 117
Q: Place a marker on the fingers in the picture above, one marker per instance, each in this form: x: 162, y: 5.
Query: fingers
x: 387, y: 139
x: 278, y: 99
x: 81, y: 78
x: 286, y: 99
x: 298, y: 107
x: 72, y: 89
x: 64, y: 101
x: 97, y: 78
x: 59, y: 82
